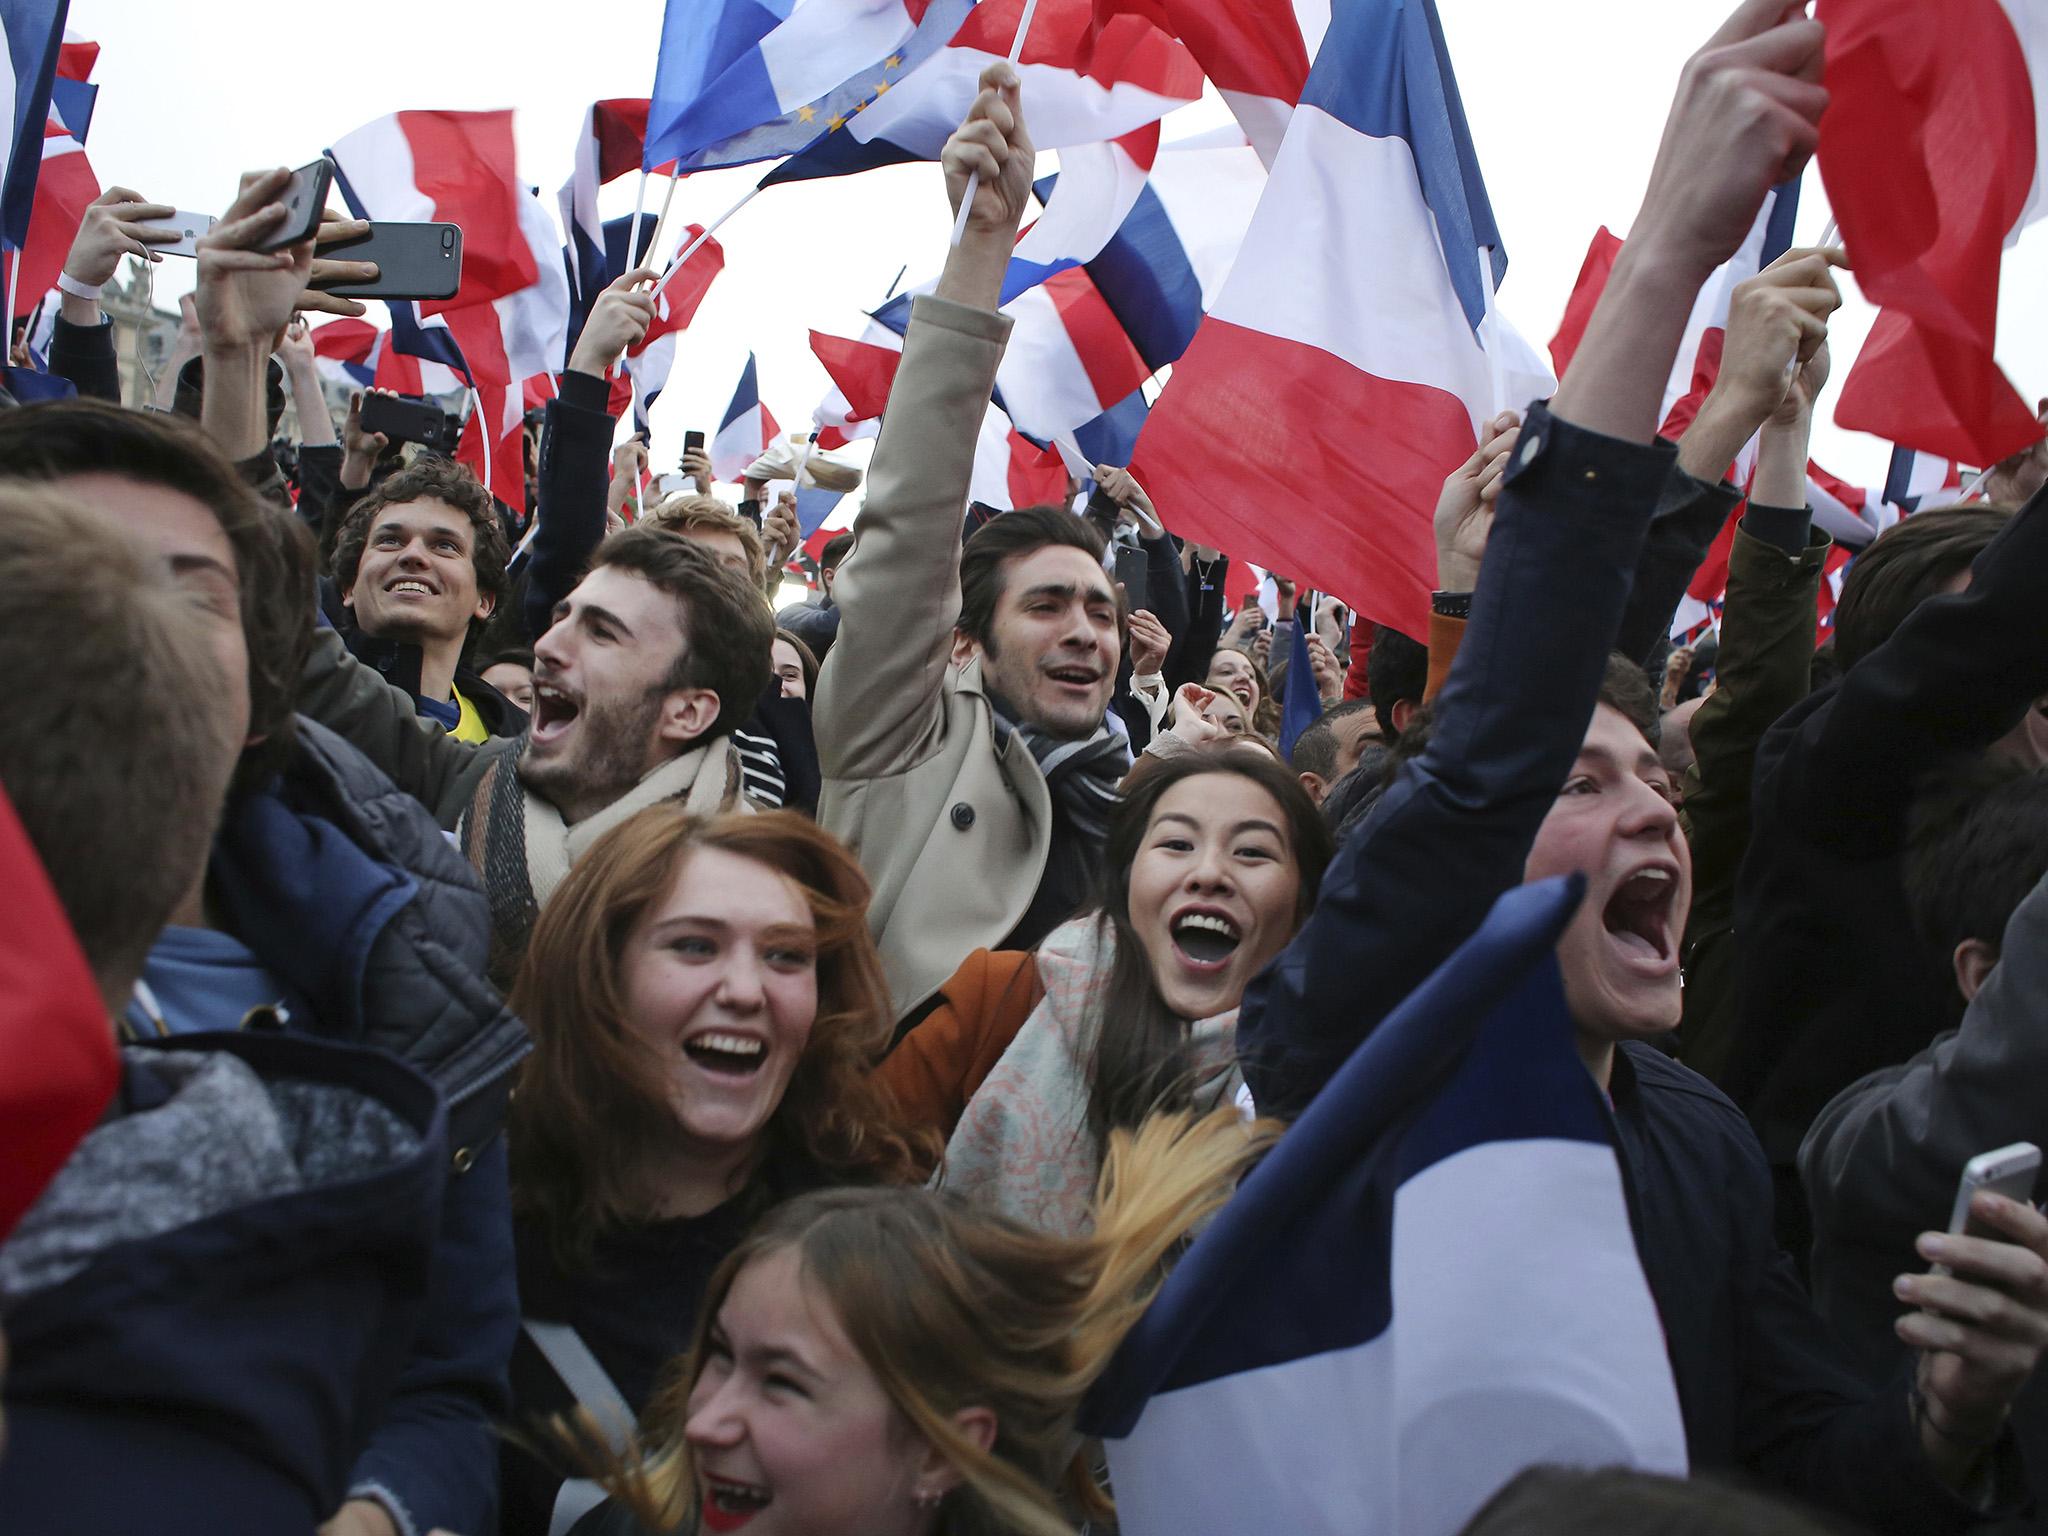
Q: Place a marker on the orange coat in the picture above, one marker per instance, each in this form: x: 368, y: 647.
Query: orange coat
x: 936, y: 1068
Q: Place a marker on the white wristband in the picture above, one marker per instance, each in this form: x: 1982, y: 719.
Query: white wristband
x: 66, y: 283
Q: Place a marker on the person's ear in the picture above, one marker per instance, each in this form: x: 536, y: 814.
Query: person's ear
x: 1403, y: 712
x: 1317, y: 786
x: 1973, y: 961
x: 486, y: 605
x: 348, y: 596
x: 936, y: 1476
x: 687, y: 714
x: 965, y: 648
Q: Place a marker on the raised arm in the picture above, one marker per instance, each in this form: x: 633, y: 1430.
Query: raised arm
x: 1454, y: 830
x: 880, y: 702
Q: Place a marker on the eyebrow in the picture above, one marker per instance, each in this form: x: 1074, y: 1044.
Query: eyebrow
x: 184, y: 564
x: 591, y: 613
x: 694, y: 920
x: 1068, y: 591
x: 397, y: 525
x: 1252, y: 824
x: 1646, y: 760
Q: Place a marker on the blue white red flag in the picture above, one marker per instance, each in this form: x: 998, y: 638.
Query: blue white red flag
x: 1355, y: 350
x: 739, y: 81
x: 1301, y: 704
x: 1079, y: 87
x: 1169, y: 259
x: 508, y: 321
x: 745, y: 431
x: 1917, y: 482
x: 67, y: 185
x: 31, y: 33
x: 1429, y: 1285
x: 608, y: 148
x: 1085, y: 205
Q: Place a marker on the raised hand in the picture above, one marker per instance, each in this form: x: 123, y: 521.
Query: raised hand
x: 1122, y: 487
x: 1464, y: 508
x: 697, y: 465
x: 328, y: 269
x: 360, y: 450
x: 117, y: 223
x: 1149, y: 643
x: 780, y: 534
x: 618, y: 320
x: 245, y: 295
x: 991, y: 150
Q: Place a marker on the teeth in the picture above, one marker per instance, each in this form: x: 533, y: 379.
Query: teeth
x: 732, y: 1045
x: 1211, y: 922
x: 413, y: 586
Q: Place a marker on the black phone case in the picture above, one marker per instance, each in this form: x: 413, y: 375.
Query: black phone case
x: 402, y: 421
x: 412, y: 262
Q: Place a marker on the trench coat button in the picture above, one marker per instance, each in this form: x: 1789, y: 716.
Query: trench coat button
x: 465, y: 1159
x: 963, y: 815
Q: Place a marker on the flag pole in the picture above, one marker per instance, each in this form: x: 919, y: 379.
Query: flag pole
x: 13, y: 284
x: 1830, y: 232
x: 483, y: 430
x: 661, y: 218
x: 1496, y: 370
x: 974, y: 178
x: 633, y: 238
x: 691, y: 249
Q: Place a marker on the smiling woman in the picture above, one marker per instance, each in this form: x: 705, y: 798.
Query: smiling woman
x: 706, y: 1006
x: 1032, y: 1061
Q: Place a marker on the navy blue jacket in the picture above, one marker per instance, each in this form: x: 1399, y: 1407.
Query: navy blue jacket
x: 214, y: 1379
x: 1759, y: 1381
x: 351, y: 896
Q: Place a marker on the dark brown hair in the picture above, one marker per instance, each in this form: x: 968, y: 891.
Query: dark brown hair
x: 1613, y: 1501
x: 589, y: 1101
x: 1140, y: 1062
x: 274, y: 556
x: 727, y: 627
x: 1002, y: 539
x: 1910, y: 563
x: 434, y: 479
x: 117, y: 689
x: 805, y: 659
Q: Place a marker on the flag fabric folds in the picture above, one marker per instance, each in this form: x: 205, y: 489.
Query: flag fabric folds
x: 1080, y: 87
x: 1931, y: 154
x: 1915, y: 480
x: 738, y: 81
x: 1300, y: 704
x: 746, y: 429
x: 31, y: 35
x: 1085, y: 205
x: 608, y: 148
x: 1430, y: 1284
x: 67, y: 184
x: 1355, y: 350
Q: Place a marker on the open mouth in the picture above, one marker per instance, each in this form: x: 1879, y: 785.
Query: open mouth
x: 1206, y: 940
x: 1074, y: 677
x: 727, y: 1055
x: 409, y: 588
x: 553, y: 711
x: 730, y: 1504
x: 1638, y: 914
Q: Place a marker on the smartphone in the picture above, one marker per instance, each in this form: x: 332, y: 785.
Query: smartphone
x: 305, y: 201
x: 190, y: 226
x: 402, y: 420
x: 692, y: 439
x: 2010, y: 1171
x: 414, y: 261
x: 1130, y: 570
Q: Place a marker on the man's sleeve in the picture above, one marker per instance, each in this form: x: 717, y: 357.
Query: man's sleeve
x: 1689, y: 514
x: 880, y: 704
x: 1454, y: 829
x: 84, y: 354
x: 433, y: 1461
x: 570, y: 489
x: 355, y: 702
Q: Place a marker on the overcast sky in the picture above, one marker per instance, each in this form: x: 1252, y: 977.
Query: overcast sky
x: 1566, y: 102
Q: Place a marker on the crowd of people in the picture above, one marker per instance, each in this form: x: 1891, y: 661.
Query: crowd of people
x: 560, y: 1046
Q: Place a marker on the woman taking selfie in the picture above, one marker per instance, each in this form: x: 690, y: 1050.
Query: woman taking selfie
x: 897, y: 1362
x: 705, y: 1005
x: 1032, y: 1059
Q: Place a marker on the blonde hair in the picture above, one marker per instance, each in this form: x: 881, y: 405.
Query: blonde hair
x: 686, y: 513
x: 954, y: 1307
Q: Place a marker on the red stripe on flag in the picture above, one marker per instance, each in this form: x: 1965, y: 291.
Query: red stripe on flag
x: 466, y: 162
x: 864, y: 373
x: 1037, y: 475
x: 1578, y: 310
x: 1112, y: 364
x: 1350, y: 498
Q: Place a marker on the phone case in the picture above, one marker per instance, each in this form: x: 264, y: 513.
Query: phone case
x: 414, y: 261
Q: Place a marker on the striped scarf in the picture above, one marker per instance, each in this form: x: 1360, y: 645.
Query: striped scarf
x: 1081, y: 775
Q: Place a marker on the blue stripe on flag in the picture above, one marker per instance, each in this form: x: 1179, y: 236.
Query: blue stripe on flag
x: 1383, y: 70
x: 813, y: 506
x: 895, y: 314
x: 1778, y: 228
x: 1145, y: 277
x: 1301, y: 705
x: 1112, y: 437
x: 709, y: 79
x: 32, y: 32
x: 1297, y: 1264
x: 745, y: 397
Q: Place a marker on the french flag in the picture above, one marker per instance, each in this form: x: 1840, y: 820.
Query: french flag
x: 609, y: 147
x: 648, y: 361
x: 746, y: 429
x: 1085, y: 205
x: 1011, y: 471
x: 1080, y: 86
x: 1931, y: 152
x: 67, y: 185
x: 1428, y: 1286
x: 1917, y: 481
x: 1170, y: 258
x: 357, y: 355
x: 31, y: 35
x: 1257, y: 53
x: 509, y: 320
x: 1355, y: 349
x: 738, y: 81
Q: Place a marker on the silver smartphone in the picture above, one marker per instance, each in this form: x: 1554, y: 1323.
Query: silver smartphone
x: 190, y: 226
x: 2009, y: 1171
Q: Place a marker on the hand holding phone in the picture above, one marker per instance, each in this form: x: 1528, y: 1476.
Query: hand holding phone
x: 413, y: 261
x: 305, y: 201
